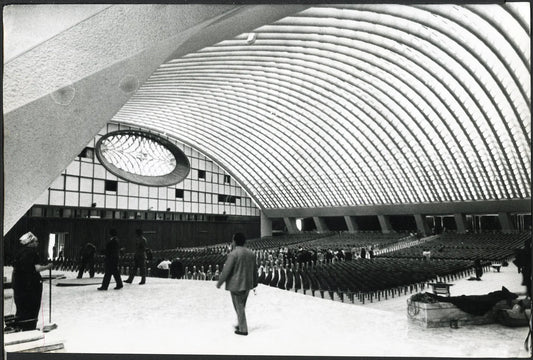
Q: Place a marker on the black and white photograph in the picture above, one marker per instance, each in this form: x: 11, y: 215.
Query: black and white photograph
x: 266, y: 180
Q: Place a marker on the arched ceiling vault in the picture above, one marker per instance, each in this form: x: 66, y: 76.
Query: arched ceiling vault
x: 358, y: 105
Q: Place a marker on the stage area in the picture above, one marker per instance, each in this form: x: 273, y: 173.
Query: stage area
x: 167, y: 316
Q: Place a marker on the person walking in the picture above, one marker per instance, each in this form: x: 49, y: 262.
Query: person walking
x: 27, y: 283
x: 87, y: 257
x: 240, y: 275
x: 139, y: 259
x: 112, y: 250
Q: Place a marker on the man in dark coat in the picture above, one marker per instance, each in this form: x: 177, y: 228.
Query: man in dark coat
x: 139, y: 258
x: 112, y: 250
x: 240, y: 275
x: 176, y: 269
x: 87, y: 260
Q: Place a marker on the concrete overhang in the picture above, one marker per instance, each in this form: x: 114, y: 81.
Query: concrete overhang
x: 60, y: 93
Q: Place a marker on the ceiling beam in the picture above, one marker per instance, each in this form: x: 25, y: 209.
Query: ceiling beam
x: 465, y: 207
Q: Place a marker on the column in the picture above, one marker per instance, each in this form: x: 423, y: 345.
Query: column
x: 266, y: 225
x: 384, y: 222
x: 422, y: 225
x: 460, y: 223
x: 290, y: 223
x: 320, y: 223
x: 351, y: 224
x: 506, y: 222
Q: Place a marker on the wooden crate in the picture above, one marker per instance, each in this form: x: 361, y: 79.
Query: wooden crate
x: 442, y: 314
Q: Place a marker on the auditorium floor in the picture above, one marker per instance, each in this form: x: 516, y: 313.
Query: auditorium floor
x: 190, y: 317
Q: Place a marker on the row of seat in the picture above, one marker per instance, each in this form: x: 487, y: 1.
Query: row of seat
x: 275, y: 242
x: 494, y: 247
x: 360, y: 276
x: 395, y: 269
x: 357, y: 240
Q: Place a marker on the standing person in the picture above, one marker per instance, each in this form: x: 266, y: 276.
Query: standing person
x: 478, y: 269
x: 526, y: 268
x: 176, y: 269
x: 164, y: 268
x: 112, y: 250
x: 87, y: 260
x: 139, y: 258
x: 371, y: 252
x: 27, y: 282
x: 240, y: 275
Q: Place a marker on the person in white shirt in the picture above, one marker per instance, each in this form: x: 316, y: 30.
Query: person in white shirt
x: 164, y: 268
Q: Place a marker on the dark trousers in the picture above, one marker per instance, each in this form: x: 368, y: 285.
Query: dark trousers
x: 111, y: 269
x: 138, y: 263
x: 28, y: 303
x: 239, y: 303
x: 86, y: 265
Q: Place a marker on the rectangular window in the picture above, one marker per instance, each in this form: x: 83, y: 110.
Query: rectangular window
x: 227, y: 198
x: 227, y: 179
x: 179, y: 193
x: 87, y: 170
x: 87, y: 153
x: 36, y: 211
x: 111, y: 185
x: 71, y: 198
x: 99, y: 171
x: 72, y: 183
x: 86, y: 185
x: 201, y: 174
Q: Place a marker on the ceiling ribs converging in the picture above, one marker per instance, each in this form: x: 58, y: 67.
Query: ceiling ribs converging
x: 358, y: 105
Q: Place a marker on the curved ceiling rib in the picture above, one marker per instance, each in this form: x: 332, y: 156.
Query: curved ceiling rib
x: 354, y: 86
x: 209, y: 112
x: 498, y: 80
x: 262, y: 81
x: 317, y: 99
x: 358, y: 105
x: 517, y: 48
x: 368, y: 22
x: 271, y: 92
x: 256, y: 126
x: 210, y: 130
x: 521, y: 12
x: 401, y: 15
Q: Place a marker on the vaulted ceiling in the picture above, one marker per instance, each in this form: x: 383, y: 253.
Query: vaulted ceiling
x: 358, y: 105
x: 307, y: 107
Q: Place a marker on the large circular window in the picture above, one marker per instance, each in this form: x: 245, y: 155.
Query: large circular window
x: 142, y: 157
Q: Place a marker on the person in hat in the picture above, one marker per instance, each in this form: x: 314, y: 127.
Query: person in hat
x: 27, y: 282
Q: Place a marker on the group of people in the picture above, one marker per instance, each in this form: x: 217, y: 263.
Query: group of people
x: 239, y: 274
x: 175, y: 270
x: 111, y: 261
x: 286, y: 256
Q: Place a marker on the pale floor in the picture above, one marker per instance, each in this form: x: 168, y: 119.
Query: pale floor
x: 167, y: 316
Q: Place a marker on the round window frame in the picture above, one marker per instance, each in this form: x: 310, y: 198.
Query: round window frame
x: 180, y: 172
